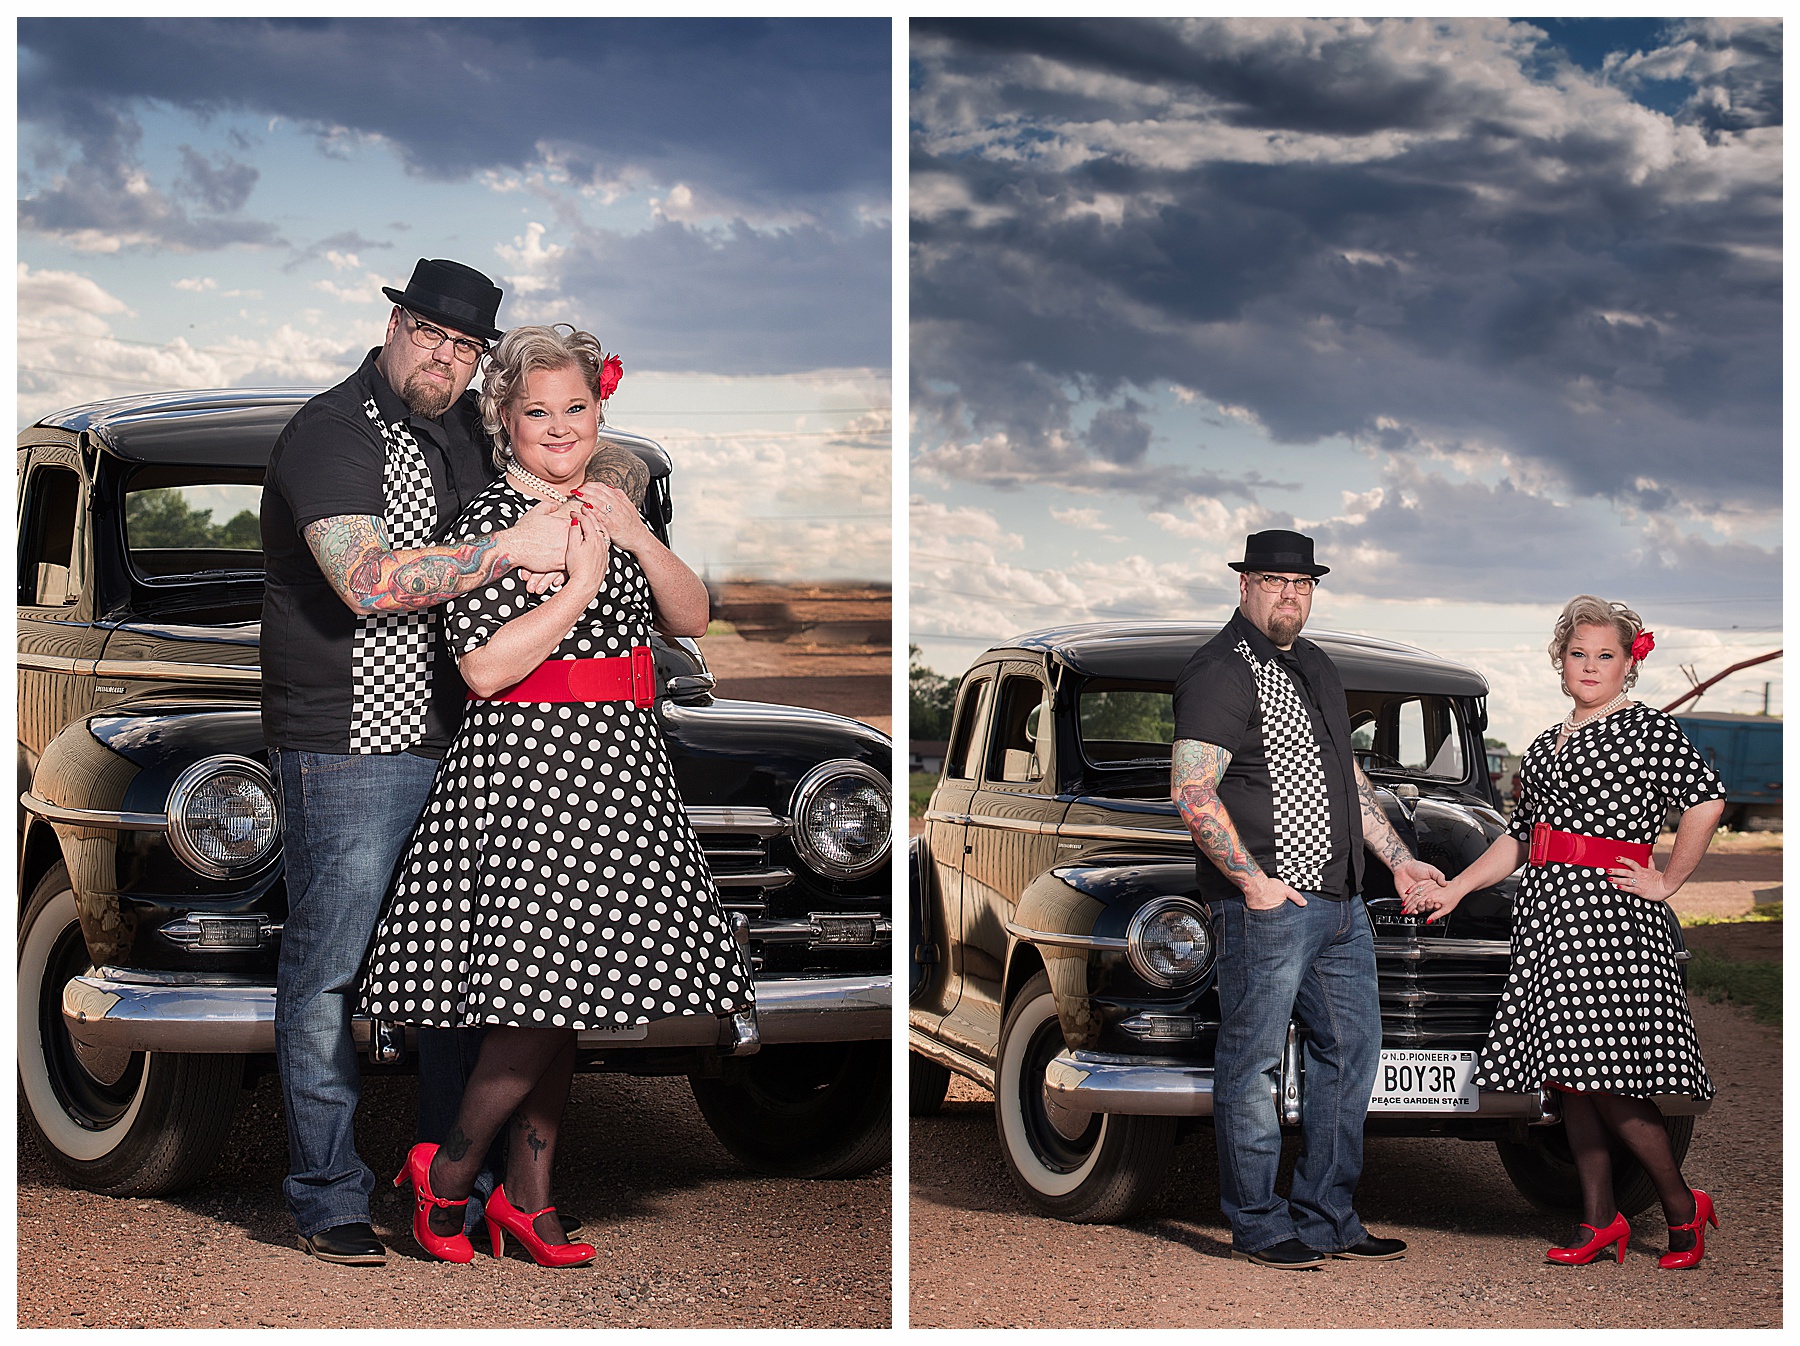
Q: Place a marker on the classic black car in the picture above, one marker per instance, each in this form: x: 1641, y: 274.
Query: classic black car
x: 149, y: 844
x: 1063, y: 957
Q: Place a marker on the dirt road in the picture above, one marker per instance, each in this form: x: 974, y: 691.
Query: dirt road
x: 687, y: 1237
x: 980, y: 1258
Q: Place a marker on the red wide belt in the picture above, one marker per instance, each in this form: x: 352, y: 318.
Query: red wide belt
x: 625, y: 678
x: 1550, y: 847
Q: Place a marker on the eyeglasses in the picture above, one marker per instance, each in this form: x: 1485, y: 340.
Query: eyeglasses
x: 429, y: 338
x: 1274, y: 584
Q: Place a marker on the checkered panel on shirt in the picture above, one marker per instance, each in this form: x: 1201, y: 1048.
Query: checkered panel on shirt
x: 1296, y: 776
x: 390, y: 665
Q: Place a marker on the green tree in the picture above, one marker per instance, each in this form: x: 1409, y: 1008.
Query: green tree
x: 243, y: 531
x: 930, y: 697
x: 1128, y: 717
x: 163, y: 518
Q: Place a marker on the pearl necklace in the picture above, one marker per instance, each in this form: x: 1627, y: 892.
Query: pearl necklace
x: 537, y: 484
x: 1570, y: 724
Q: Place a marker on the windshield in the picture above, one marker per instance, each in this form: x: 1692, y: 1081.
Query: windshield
x: 182, y: 521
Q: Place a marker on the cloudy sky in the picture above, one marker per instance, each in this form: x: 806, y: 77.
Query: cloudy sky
x: 217, y: 203
x: 1491, y: 309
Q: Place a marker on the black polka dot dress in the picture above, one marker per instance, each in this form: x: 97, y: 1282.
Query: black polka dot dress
x: 553, y: 879
x: 1593, y: 1000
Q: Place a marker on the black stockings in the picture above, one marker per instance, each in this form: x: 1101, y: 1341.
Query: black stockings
x: 1591, y: 1120
x: 523, y: 1075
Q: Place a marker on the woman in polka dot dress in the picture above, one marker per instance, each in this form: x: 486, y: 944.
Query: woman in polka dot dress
x: 1594, y: 1006
x: 553, y: 882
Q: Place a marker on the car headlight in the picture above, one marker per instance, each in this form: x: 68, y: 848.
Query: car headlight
x: 222, y: 816
x: 843, y: 818
x: 1169, y: 942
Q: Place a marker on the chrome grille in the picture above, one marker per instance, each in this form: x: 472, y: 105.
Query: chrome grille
x: 736, y: 842
x: 1439, y: 992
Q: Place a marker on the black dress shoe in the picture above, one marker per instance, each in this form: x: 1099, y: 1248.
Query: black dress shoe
x: 1372, y: 1249
x: 354, y: 1245
x: 1288, y: 1255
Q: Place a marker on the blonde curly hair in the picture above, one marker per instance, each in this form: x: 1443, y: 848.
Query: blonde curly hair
x: 1587, y: 610
x: 523, y: 351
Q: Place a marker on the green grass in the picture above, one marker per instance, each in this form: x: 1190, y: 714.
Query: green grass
x: 919, y: 787
x: 1755, y: 986
x: 1771, y: 912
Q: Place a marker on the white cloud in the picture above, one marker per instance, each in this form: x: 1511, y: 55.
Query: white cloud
x: 367, y: 292
x: 533, y: 259
x: 69, y: 352
x: 1079, y: 518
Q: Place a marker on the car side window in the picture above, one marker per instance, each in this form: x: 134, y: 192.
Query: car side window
x: 47, y: 538
x: 1019, y: 752
x: 967, y: 733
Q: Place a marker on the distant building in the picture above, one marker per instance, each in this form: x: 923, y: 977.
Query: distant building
x: 927, y: 755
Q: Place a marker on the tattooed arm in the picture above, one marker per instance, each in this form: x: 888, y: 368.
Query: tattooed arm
x: 361, y: 564
x: 1194, y: 784
x: 1379, y: 836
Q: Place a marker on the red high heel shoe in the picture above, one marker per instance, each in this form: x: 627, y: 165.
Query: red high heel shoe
x: 445, y: 1247
x: 1618, y: 1232
x: 502, y: 1214
x: 1703, y: 1216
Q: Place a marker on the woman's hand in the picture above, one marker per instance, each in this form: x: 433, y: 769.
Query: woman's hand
x: 1642, y: 880
x: 590, y: 549
x: 613, y: 509
x: 1440, y: 899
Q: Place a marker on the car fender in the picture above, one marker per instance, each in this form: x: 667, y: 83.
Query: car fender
x: 118, y: 766
x: 1075, y: 919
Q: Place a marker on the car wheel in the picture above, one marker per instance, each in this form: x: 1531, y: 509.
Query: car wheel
x: 1096, y: 1169
x: 803, y: 1110
x: 1543, y: 1170
x: 116, y: 1122
x: 926, y: 1084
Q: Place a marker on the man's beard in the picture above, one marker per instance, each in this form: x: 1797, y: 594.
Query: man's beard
x: 426, y: 396
x: 1284, y: 626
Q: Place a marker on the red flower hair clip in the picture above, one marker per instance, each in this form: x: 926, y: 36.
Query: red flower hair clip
x: 612, y: 369
x: 1642, y: 644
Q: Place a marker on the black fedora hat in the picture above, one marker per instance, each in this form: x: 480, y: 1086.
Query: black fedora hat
x: 1282, y: 550
x: 452, y: 294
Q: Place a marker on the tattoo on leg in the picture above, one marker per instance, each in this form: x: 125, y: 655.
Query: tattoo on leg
x: 456, y: 1147
x: 528, y: 1133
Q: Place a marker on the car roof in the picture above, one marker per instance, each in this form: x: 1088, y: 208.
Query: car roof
x: 231, y: 426
x: 235, y: 426
x: 1156, y: 651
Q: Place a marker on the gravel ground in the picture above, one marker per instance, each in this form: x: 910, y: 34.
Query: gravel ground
x: 981, y: 1259
x: 687, y: 1237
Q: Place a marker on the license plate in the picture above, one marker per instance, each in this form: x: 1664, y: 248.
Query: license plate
x: 1419, y: 1080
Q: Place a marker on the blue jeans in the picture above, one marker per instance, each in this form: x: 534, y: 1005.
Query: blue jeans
x: 345, y: 819
x: 1316, y: 964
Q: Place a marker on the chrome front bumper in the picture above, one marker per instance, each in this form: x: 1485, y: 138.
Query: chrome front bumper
x: 136, y: 1011
x: 1080, y: 1082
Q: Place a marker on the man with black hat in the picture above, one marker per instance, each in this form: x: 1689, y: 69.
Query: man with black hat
x: 1264, y: 777
x: 359, y: 699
